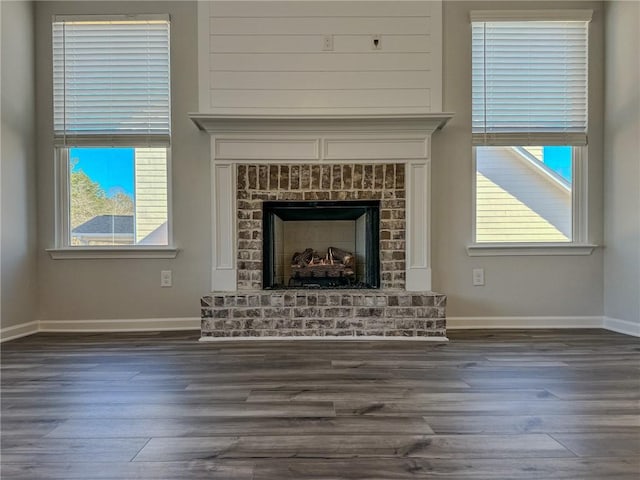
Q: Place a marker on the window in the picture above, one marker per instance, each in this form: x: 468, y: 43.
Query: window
x: 524, y: 194
x: 529, y: 125
x: 112, y: 130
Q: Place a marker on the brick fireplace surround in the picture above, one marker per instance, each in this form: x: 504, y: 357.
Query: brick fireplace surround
x: 293, y: 182
x: 255, y: 160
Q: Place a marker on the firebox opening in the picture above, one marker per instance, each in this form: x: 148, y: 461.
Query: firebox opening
x: 321, y: 244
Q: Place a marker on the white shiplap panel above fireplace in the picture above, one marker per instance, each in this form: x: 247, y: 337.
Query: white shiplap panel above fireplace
x: 271, y: 57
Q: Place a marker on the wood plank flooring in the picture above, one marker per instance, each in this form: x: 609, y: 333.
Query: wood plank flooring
x: 538, y: 404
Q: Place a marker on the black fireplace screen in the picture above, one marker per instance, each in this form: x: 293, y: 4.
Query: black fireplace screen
x: 325, y: 244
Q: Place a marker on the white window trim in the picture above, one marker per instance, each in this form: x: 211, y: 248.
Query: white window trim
x: 570, y: 15
x: 579, y: 244
x: 63, y: 248
x: 528, y: 249
x: 62, y: 241
x: 94, y: 253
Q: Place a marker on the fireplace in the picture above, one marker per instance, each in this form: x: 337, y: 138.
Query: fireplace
x: 321, y: 227
x: 321, y: 244
x: 341, y: 202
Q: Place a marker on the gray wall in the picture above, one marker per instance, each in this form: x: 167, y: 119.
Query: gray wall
x: 18, y: 190
x: 516, y: 286
x: 622, y: 162
x: 126, y: 289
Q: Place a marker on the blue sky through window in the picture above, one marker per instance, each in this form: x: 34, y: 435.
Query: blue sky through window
x: 558, y: 159
x: 111, y: 168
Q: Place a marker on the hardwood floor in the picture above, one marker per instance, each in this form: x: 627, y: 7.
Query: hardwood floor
x: 536, y: 404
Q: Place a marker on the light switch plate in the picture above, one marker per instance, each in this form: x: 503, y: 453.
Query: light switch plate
x: 478, y: 277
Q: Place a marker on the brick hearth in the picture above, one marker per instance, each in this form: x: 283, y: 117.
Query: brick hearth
x: 311, y: 313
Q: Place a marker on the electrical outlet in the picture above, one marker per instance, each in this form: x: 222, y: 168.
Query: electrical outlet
x: 376, y: 42
x: 165, y: 278
x: 478, y: 276
x: 327, y: 43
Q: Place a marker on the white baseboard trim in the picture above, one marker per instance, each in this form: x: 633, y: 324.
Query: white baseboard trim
x: 17, y: 331
x: 454, y: 323
x: 327, y: 337
x: 621, y: 326
x: 193, y: 323
x: 121, y: 325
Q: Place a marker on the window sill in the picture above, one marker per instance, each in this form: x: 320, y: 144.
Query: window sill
x: 91, y: 253
x: 527, y: 249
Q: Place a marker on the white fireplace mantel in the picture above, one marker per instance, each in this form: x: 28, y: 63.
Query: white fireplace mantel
x: 268, y: 138
x: 215, y: 123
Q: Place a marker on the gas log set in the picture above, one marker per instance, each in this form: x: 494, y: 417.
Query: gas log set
x: 310, y: 268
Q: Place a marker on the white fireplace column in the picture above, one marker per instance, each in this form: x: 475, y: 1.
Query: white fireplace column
x: 418, y: 220
x: 224, y: 274
x: 335, y: 139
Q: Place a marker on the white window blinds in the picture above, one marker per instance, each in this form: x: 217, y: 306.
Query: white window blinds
x: 111, y: 81
x: 529, y: 81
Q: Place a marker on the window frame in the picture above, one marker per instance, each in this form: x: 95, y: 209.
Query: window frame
x: 579, y: 219
x: 579, y: 244
x: 64, y: 249
x: 62, y: 202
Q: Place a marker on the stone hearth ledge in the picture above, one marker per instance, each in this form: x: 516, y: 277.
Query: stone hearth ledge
x: 309, y: 314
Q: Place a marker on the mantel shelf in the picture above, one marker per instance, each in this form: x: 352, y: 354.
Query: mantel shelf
x: 214, y: 123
